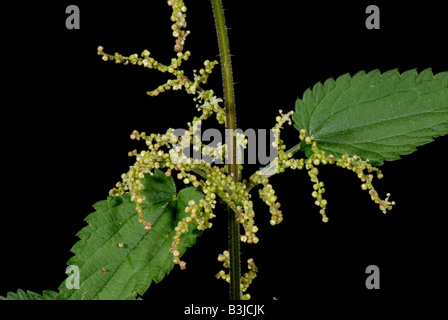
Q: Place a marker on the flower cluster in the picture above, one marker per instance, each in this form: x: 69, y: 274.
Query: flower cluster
x: 269, y: 197
x: 236, y: 196
x: 166, y: 152
x: 200, y: 214
x: 363, y: 169
x: 360, y: 167
x: 246, y: 279
x: 353, y: 163
x: 178, y: 17
x: 267, y: 193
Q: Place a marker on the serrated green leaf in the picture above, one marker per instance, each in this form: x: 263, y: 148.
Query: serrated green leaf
x: 29, y: 295
x: 377, y: 116
x: 116, y: 257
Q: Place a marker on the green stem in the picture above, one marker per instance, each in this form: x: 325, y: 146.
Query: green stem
x: 229, y: 103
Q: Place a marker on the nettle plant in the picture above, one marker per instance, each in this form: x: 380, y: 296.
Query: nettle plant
x: 144, y: 227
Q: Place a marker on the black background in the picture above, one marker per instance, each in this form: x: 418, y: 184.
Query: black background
x: 67, y: 116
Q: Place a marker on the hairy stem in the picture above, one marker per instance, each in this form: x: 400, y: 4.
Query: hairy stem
x: 229, y: 103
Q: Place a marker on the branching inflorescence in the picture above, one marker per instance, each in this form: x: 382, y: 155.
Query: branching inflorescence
x: 166, y: 152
